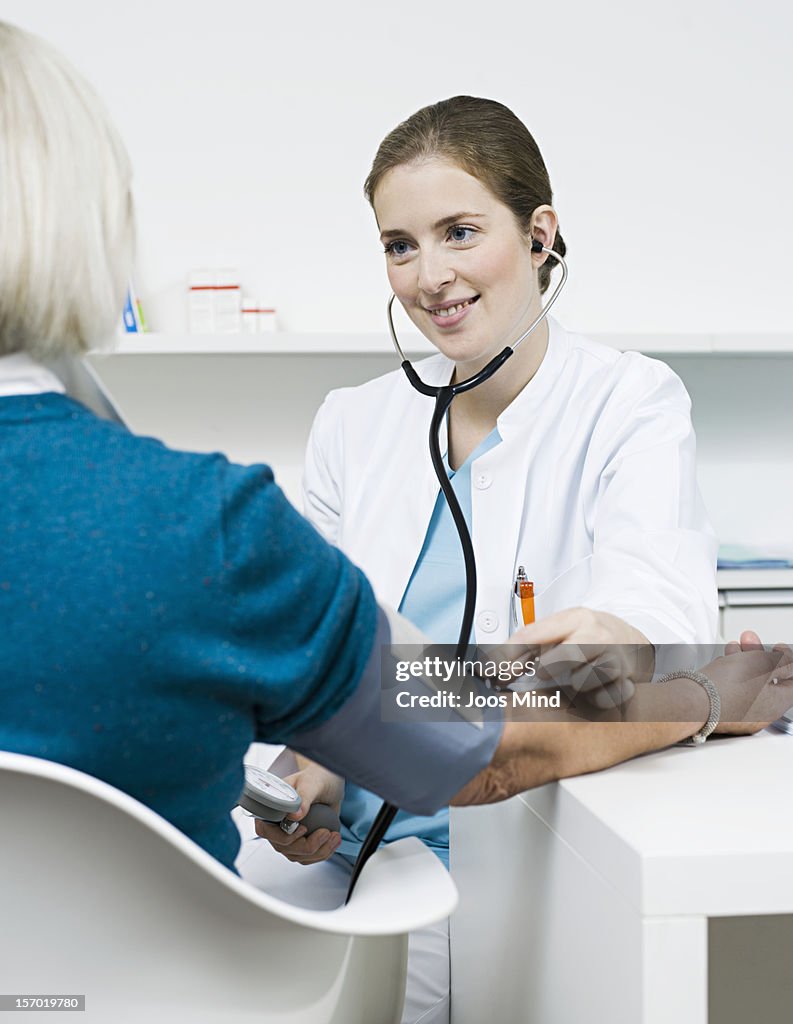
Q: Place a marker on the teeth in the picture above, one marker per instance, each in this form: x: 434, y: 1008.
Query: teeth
x: 451, y: 309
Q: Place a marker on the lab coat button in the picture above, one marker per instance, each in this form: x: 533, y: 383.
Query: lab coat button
x: 487, y: 621
x: 482, y: 481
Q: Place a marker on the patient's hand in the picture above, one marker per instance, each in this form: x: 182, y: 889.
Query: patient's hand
x: 749, y: 641
x: 315, y: 784
x: 763, y: 690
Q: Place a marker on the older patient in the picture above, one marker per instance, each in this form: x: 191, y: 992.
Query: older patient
x: 155, y: 606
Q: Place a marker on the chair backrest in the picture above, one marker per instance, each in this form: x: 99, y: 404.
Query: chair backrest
x: 102, y: 897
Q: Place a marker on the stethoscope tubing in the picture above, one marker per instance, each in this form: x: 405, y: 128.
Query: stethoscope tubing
x: 444, y: 394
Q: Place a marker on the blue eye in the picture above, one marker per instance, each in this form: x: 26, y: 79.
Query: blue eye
x: 398, y: 248
x: 460, y: 233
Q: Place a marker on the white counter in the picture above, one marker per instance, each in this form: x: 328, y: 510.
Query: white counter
x: 590, y: 899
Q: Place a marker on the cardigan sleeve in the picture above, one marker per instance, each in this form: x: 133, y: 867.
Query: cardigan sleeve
x: 301, y: 612
x: 314, y: 645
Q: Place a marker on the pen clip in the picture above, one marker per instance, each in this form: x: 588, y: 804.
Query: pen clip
x: 522, y: 605
x: 515, y: 609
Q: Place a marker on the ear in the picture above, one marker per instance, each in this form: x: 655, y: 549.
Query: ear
x: 543, y: 227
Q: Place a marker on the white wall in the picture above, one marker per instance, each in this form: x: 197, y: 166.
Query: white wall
x: 742, y: 408
x: 252, y: 125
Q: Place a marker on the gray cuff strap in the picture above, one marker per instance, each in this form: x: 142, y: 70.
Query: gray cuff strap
x: 418, y: 766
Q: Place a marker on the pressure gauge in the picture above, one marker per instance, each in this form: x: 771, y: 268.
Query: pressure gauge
x: 269, y: 798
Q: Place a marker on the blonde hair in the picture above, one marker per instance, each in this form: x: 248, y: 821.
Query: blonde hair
x: 66, y: 221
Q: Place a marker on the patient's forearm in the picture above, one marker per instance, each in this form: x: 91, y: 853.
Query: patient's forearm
x: 533, y: 753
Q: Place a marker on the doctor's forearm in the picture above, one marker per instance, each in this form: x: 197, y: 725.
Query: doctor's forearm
x: 305, y: 764
x: 534, y: 753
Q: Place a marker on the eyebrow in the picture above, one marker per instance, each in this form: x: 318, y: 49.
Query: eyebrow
x: 444, y: 222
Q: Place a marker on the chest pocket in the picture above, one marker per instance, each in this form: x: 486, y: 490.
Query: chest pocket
x: 565, y: 590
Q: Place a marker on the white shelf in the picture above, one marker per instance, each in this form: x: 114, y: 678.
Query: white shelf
x: 754, y: 579
x: 339, y: 343
x: 763, y: 344
x: 275, y: 343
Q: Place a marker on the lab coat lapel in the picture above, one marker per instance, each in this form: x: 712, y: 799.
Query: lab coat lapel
x: 497, y: 514
x: 395, y: 511
x: 501, y: 508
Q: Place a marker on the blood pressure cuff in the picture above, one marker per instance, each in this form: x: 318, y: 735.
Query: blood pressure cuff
x: 416, y: 765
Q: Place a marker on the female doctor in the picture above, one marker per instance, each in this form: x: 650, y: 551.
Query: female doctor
x: 574, y: 461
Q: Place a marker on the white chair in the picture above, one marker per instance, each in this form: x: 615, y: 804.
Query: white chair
x: 100, y: 896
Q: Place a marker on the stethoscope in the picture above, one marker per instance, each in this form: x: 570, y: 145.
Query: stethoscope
x: 444, y: 395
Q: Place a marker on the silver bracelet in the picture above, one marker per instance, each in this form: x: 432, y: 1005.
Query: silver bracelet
x: 713, y: 697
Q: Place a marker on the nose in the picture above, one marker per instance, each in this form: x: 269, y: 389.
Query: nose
x: 435, y: 270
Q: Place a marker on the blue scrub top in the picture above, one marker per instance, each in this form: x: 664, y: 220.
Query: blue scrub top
x: 434, y: 600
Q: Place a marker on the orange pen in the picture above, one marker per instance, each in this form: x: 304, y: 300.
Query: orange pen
x: 524, y: 589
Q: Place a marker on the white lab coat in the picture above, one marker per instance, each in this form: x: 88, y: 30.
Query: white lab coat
x: 593, y: 489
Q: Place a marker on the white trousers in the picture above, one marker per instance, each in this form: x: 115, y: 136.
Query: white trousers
x: 323, y: 887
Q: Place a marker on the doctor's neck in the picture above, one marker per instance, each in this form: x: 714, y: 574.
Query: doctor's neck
x: 473, y: 414
x: 490, y: 399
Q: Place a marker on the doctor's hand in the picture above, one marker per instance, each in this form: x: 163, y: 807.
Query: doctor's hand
x: 589, y: 653
x: 314, y: 784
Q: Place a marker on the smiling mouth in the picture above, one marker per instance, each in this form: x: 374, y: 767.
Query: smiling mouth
x: 451, y: 310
